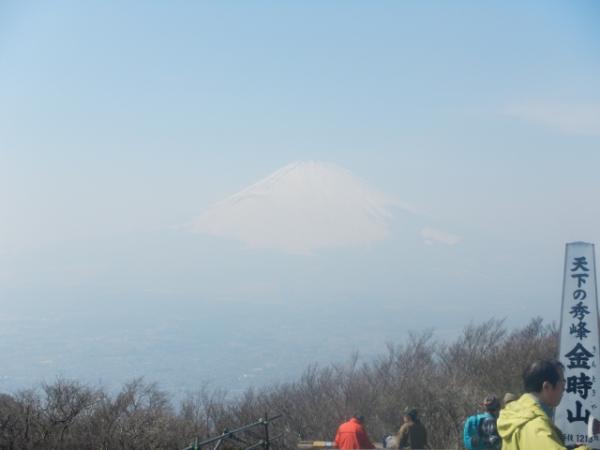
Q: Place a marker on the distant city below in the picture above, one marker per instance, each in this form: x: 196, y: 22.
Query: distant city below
x: 229, y: 347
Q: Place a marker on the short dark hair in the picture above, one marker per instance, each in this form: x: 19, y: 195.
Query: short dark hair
x: 412, y: 413
x: 491, y: 403
x: 542, y: 370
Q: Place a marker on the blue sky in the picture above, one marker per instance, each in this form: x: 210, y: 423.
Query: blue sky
x: 119, y: 122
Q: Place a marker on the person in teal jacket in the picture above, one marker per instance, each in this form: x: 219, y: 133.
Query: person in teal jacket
x: 480, y: 432
x: 525, y: 424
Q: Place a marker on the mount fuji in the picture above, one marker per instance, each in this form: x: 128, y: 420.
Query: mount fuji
x: 303, y: 207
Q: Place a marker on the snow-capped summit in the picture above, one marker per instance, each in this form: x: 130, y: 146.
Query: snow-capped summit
x: 299, y: 208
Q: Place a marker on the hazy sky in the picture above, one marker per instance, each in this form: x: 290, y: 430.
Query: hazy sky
x: 123, y: 122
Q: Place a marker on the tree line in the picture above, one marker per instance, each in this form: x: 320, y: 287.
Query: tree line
x: 445, y: 381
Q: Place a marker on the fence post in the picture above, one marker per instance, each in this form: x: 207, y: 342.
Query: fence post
x: 267, y: 443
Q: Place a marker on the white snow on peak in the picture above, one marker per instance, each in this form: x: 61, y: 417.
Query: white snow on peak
x: 300, y: 208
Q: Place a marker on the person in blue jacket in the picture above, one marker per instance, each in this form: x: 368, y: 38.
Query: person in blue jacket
x: 480, y: 432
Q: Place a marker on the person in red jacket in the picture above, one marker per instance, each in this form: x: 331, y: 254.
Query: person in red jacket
x: 351, y: 435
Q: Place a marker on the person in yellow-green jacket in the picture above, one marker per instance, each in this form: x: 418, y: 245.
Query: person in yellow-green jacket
x: 526, y: 424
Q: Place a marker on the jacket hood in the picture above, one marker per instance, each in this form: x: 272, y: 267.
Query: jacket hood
x: 516, y: 414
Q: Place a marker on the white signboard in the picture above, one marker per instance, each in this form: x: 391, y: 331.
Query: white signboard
x: 579, y: 346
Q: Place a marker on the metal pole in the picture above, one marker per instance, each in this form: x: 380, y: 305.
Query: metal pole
x: 267, y: 443
x: 230, y: 434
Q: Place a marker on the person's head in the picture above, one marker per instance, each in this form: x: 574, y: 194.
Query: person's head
x: 410, y: 415
x: 545, y: 378
x: 491, y: 405
x: 359, y: 417
x: 508, y: 397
